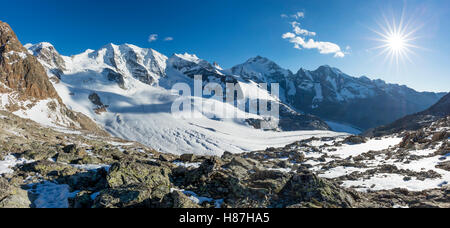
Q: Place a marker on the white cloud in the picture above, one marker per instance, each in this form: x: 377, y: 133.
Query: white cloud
x: 298, y: 38
x: 323, y: 47
x: 288, y: 35
x: 168, y: 38
x: 339, y: 55
x: 152, y: 38
x: 300, y: 31
x: 299, y: 15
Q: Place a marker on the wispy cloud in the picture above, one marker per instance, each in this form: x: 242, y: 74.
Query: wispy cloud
x: 300, y: 31
x: 152, y: 38
x: 168, y: 38
x: 298, y: 38
x: 297, y: 15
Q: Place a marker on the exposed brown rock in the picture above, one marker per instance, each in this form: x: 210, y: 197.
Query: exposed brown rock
x: 21, y: 71
x: 22, y: 74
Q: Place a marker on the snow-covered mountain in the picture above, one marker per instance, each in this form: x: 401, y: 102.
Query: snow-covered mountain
x: 330, y: 94
x: 127, y: 90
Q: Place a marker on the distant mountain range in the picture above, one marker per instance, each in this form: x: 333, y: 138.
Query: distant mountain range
x: 415, y: 121
x: 336, y: 96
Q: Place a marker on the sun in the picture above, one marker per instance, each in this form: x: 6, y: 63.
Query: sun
x: 396, y: 40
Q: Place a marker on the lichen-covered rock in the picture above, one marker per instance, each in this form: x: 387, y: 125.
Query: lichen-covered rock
x: 308, y: 188
x: 187, y: 157
x: 177, y: 199
x: 355, y: 139
x: 134, y: 173
x: 49, y: 168
x: 12, y: 196
x: 131, y: 197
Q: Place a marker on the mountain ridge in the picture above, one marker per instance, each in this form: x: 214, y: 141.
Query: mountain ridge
x: 326, y: 92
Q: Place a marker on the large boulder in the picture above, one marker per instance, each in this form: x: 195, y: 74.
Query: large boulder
x: 12, y: 196
x: 133, y: 173
x: 134, y: 184
x: 308, y: 190
x: 178, y: 199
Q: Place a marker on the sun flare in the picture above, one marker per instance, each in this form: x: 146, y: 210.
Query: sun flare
x: 396, y: 40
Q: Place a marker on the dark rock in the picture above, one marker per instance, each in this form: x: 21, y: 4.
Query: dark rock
x: 444, y: 166
x: 355, y: 139
x: 177, y: 199
x: 124, y: 174
x: 187, y: 157
x: 307, y: 187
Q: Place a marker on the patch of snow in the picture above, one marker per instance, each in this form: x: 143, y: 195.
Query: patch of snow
x: 341, y: 171
x: 199, y: 199
x: 9, y: 161
x: 319, y: 96
x: 338, y: 127
x: 41, y: 113
x: 346, y: 150
x: 20, y: 54
x: 392, y: 181
x: 283, y: 170
x: 187, y: 165
x: 91, y: 167
x: 121, y: 143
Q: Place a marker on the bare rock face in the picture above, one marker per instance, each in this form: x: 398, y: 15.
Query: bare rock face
x: 25, y: 82
x: 20, y: 71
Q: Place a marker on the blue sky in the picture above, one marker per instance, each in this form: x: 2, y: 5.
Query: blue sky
x: 231, y: 31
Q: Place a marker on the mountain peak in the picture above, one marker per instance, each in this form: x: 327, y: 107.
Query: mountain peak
x: 329, y: 69
x: 47, y: 54
x: 188, y: 57
x: 259, y: 59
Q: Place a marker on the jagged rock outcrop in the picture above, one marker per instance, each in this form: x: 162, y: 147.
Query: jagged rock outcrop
x: 12, y: 195
x: 24, y: 84
x: 21, y: 72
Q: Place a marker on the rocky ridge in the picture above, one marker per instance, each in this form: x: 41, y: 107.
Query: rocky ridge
x: 96, y: 171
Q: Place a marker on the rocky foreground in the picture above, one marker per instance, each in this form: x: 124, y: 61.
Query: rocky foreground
x: 42, y: 167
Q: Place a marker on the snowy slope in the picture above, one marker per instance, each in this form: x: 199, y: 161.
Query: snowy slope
x: 134, y: 84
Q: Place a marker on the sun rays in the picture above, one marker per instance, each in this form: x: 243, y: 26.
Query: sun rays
x: 396, y: 40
